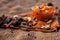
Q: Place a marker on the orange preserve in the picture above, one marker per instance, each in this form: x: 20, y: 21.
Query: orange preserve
x: 43, y: 11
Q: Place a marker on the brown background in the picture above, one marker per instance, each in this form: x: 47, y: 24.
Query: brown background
x: 12, y: 7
